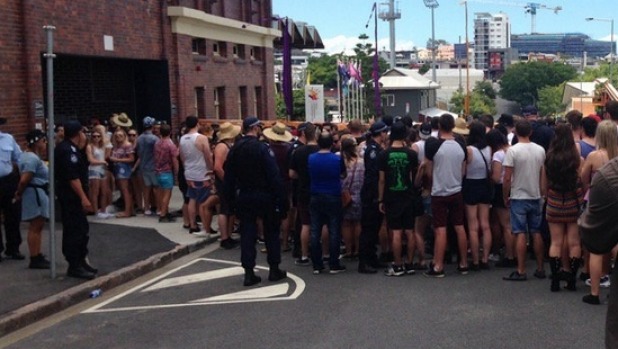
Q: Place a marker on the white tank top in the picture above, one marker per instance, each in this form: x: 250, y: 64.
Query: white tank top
x: 421, y: 150
x: 477, y: 168
x: 194, y: 162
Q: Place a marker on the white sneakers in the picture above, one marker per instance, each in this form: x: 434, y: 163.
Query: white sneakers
x: 605, y: 282
x: 104, y: 215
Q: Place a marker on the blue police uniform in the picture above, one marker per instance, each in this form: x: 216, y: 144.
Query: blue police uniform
x: 11, y: 211
x: 371, y: 219
x: 255, y: 190
x: 71, y: 163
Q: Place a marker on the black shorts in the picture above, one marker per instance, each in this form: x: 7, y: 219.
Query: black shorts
x: 476, y: 191
x: 224, y: 205
x: 498, y: 200
x: 400, y: 215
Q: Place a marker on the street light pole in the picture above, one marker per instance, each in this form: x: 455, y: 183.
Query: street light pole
x: 611, y: 51
x: 433, y: 4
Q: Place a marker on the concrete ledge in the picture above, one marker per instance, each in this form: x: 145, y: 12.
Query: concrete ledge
x: 39, y: 310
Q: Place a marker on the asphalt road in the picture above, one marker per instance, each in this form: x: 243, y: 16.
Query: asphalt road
x: 199, y: 302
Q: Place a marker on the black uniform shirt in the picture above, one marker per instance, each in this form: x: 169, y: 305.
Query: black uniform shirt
x: 370, y: 185
x: 70, y: 163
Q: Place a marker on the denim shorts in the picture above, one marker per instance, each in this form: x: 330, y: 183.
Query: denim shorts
x: 165, y: 180
x: 200, y: 193
x: 122, y: 170
x: 526, y: 216
x: 150, y: 179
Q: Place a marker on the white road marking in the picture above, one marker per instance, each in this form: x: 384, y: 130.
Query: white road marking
x: 299, y: 289
x: 194, y: 278
x: 260, y: 292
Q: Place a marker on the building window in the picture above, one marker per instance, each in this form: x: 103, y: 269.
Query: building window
x: 219, y: 99
x: 388, y: 100
x: 238, y: 51
x: 198, y: 46
x: 255, y: 53
x: 200, y: 105
x: 242, y: 102
x: 219, y: 49
x: 257, y: 102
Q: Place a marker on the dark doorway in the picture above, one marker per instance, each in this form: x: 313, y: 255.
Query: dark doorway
x: 86, y: 87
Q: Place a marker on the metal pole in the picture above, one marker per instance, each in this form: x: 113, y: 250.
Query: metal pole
x: 391, y: 24
x: 49, y: 56
x: 467, y: 99
x: 339, y: 93
x: 433, y: 47
x: 377, y: 101
x: 611, y: 55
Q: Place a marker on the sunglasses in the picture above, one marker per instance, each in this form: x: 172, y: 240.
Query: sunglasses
x: 132, y: 135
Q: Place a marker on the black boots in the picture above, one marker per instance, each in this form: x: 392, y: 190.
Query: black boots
x: 554, y: 265
x: 572, y: 276
x: 276, y: 274
x: 39, y: 262
x: 250, y: 278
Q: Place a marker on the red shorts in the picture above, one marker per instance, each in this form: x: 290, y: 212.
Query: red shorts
x: 447, y: 209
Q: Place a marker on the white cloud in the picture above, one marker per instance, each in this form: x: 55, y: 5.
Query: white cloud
x: 342, y: 43
x: 609, y: 38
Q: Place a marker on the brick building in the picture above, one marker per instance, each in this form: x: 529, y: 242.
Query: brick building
x: 164, y: 58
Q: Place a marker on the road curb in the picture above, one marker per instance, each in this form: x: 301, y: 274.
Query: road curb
x: 43, y: 308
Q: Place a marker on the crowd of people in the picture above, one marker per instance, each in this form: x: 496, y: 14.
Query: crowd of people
x: 486, y: 192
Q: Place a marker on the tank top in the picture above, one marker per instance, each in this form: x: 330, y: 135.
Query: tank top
x: 421, y: 150
x: 195, y: 164
x: 585, y: 148
x: 99, y: 155
x: 477, y: 168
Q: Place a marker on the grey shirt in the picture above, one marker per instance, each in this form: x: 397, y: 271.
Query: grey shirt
x: 144, y: 148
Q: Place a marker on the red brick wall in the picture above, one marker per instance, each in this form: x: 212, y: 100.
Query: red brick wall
x: 141, y: 30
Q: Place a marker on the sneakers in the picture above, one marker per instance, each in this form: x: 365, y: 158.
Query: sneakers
x: 540, y: 274
x: 198, y: 233
x: 605, y: 282
x: 303, y: 262
x: 494, y: 257
x: 395, y: 270
x: 229, y: 244
x: 317, y: 271
x: 516, y: 276
x: 103, y: 215
x: 591, y: 299
x: 409, y: 268
x: 39, y: 262
x: 463, y: 270
x: 337, y: 269
x: 433, y: 273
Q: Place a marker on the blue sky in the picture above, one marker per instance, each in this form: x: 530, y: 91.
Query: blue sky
x: 341, y: 21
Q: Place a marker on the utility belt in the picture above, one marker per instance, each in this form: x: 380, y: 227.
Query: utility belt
x: 44, y: 187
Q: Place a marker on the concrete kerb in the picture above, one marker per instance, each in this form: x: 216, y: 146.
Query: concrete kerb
x: 39, y: 310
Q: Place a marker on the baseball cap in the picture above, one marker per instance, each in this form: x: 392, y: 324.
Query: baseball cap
x: 378, y: 127
x: 71, y: 128
x: 529, y: 110
x: 425, y: 130
x: 149, y: 121
x: 250, y: 121
x: 34, y: 136
x: 302, y: 126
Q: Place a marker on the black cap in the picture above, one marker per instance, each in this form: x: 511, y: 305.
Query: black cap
x: 34, y: 136
x: 72, y: 128
x: 529, y: 110
x: 250, y: 122
x: 425, y: 129
x: 302, y: 126
x: 378, y: 127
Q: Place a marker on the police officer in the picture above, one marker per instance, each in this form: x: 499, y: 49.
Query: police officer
x: 10, y: 210
x: 371, y: 219
x: 255, y: 190
x: 71, y: 170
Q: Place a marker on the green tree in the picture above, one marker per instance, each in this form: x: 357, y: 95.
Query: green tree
x: 550, y: 100
x: 480, y: 103
x: 298, y: 106
x: 521, y: 82
x: 602, y: 71
x: 485, y: 87
x: 435, y: 43
x: 424, y: 68
x: 323, y: 70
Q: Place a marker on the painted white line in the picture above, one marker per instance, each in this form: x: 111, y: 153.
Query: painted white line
x: 195, y: 278
x: 255, y: 293
x: 299, y: 283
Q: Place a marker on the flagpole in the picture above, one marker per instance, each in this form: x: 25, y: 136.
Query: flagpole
x: 339, y: 94
x: 376, y: 67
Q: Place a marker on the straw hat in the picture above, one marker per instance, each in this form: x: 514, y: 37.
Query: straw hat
x: 278, y: 132
x: 461, y: 127
x: 122, y: 120
x: 228, y: 131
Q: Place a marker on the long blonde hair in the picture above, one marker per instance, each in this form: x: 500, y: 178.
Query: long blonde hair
x: 607, y: 138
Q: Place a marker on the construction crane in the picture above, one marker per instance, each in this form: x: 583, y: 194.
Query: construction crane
x: 530, y: 7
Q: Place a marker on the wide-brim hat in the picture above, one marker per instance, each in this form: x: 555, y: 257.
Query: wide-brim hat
x: 461, y: 127
x: 122, y: 120
x: 278, y: 132
x: 228, y: 131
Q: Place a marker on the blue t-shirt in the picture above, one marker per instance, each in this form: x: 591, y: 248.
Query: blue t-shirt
x: 145, y: 151
x: 325, y: 171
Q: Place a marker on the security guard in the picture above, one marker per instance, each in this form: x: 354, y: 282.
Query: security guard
x: 71, y: 168
x: 255, y: 191
x: 371, y: 219
x: 9, y: 178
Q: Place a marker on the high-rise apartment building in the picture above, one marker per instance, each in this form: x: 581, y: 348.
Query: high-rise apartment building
x: 490, y: 32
